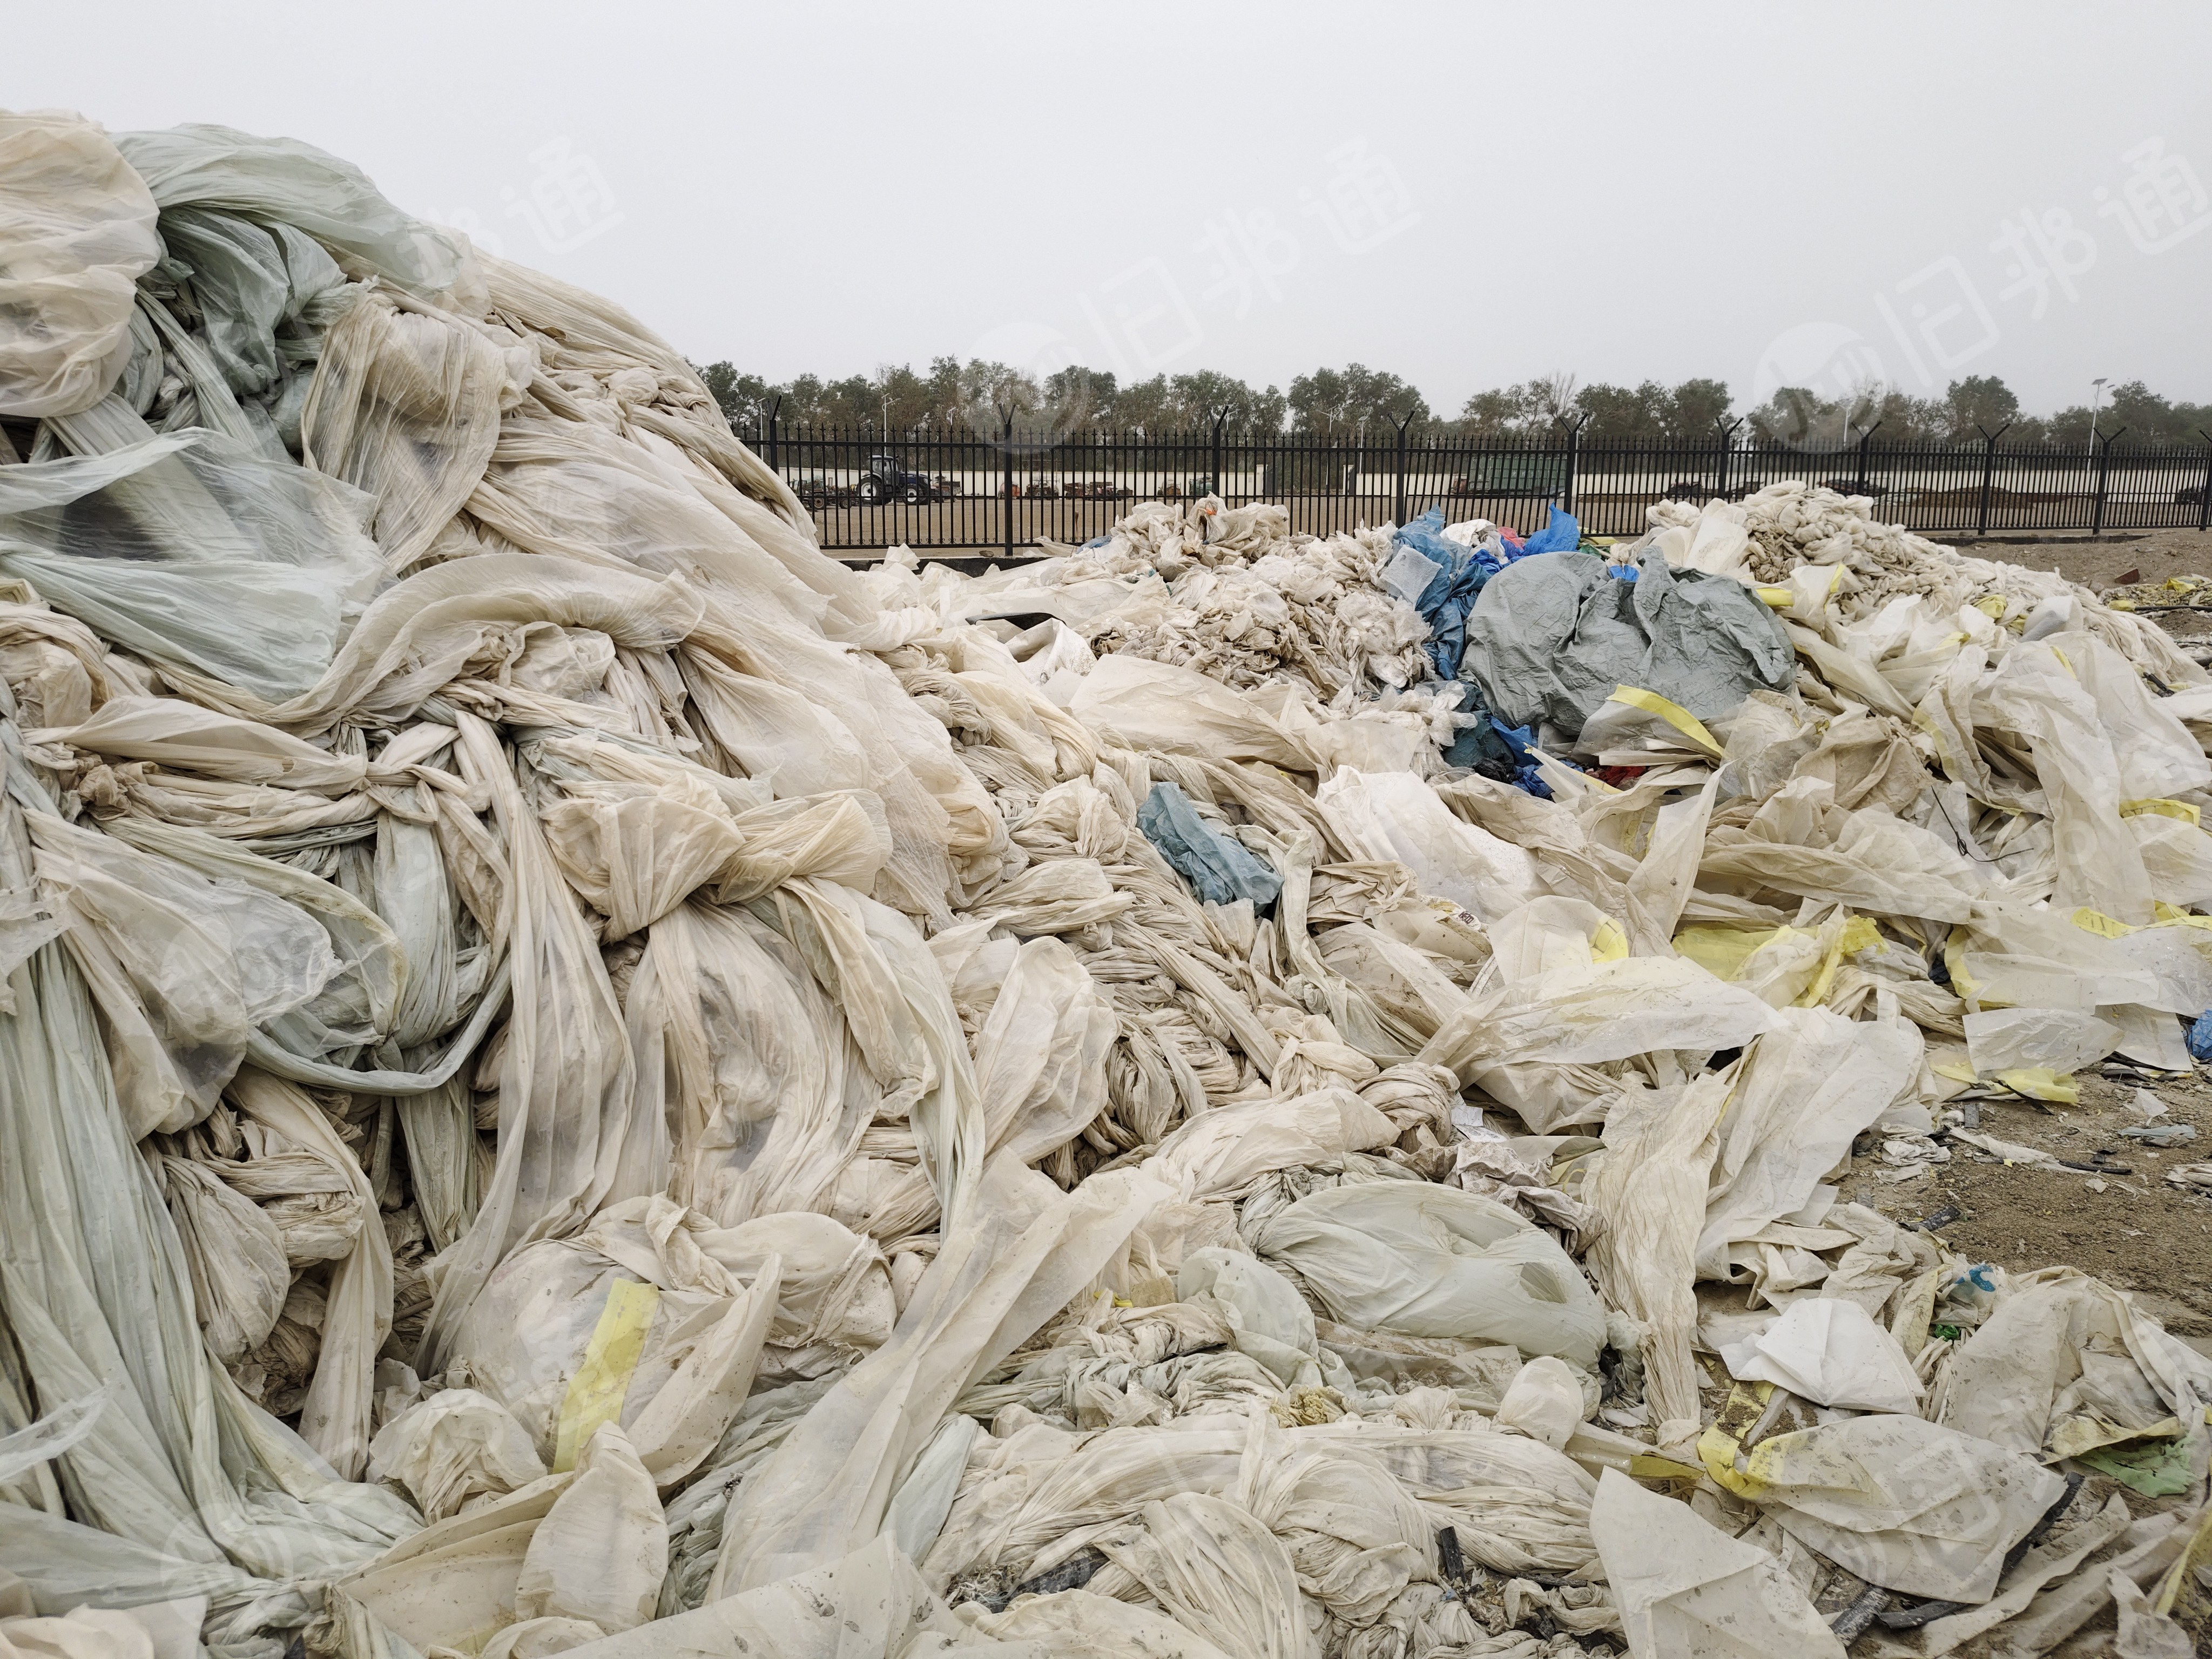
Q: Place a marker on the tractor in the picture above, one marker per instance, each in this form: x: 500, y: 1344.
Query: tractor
x: 886, y: 480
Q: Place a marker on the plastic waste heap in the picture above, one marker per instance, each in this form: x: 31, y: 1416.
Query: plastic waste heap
x: 578, y: 1076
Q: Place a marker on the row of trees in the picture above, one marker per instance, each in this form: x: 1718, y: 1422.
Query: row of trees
x: 1343, y: 402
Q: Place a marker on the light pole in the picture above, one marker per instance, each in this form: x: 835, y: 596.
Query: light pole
x: 2096, y: 397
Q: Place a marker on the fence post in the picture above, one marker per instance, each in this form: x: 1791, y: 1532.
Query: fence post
x: 774, y: 460
x: 1007, y: 476
x: 1727, y: 441
x: 2104, y: 472
x: 2205, y: 489
x: 1399, y: 516
x: 1988, y: 471
x: 1574, y: 450
x: 1220, y: 415
x: 1866, y: 442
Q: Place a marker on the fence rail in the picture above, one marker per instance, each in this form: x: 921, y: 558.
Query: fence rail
x: 949, y: 488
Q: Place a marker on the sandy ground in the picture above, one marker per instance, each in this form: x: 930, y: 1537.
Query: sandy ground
x: 2133, y: 1231
x: 2154, y: 553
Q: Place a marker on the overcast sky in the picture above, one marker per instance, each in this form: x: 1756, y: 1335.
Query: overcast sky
x: 1466, y: 195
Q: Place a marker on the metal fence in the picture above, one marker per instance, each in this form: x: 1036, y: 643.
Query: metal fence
x: 959, y: 488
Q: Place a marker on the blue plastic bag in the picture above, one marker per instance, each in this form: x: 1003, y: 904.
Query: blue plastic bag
x: 2199, y: 1037
x: 1450, y: 594
x: 1220, y: 871
x: 1562, y: 535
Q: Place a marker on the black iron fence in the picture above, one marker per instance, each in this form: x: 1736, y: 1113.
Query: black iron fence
x: 951, y: 487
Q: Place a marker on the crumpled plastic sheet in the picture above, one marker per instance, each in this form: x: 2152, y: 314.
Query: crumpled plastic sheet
x: 578, y: 1075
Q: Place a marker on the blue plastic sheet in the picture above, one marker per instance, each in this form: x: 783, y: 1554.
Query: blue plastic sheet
x: 1220, y: 871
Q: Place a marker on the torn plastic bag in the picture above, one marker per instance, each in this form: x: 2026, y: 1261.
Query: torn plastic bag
x: 1607, y: 1010
x: 1553, y: 637
x: 1428, y: 1260
x: 1905, y: 1504
x: 76, y: 231
x: 1687, y: 1590
x: 160, y: 1630
x: 180, y: 1461
x: 1267, y: 1318
x: 1210, y: 1565
x: 1082, y: 1621
x: 284, y: 181
x: 1807, y: 1089
x: 2001, y: 1040
x: 1440, y: 579
x: 1831, y: 1352
x: 1648, y: 1189
x: 194, y: 553
x: 835, y: 1303
x: 1223, y: 1150
x: 2034, y: 692
x: 869, y: 1604
x: 629, y: 1321
x: 455, y: 1446
x: 602, y: 1550
x: 454, y: 1582
x: 1544, y: 1401
x: 249, y: 281
x: 753, y: 1064
x: 2065, y: 1363
x: 1395, y: 816
x: 405, y: 405
x: 182, y: 737
x: 1219, y: 870
x: 183, y: 968
x: 1714, y: 544
x: 1040, y: 1053
x: 1003, y: 1270
x: 1156, y: 705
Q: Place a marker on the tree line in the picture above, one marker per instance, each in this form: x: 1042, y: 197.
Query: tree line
x: 1356, y: 400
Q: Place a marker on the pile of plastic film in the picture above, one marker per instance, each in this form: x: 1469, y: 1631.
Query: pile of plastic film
x: 576, y: 1076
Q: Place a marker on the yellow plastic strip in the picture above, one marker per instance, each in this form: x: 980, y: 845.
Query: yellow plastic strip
x: 595, y: 1393
x: 1991, y: 605
x: 2097, y: 923
x: 1672, y: 713
x: 2041, y: 1082
x: 1608, y: 943
x: 2162, y: 808
x: 2187, y: 1591
x: 1776, y: 598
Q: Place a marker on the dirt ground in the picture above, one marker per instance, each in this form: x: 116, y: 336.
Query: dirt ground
x: 2138, y: 1232
x: 2155, y: 553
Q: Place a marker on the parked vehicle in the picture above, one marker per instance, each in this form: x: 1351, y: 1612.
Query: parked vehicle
x: 886, y: 480
x: 1504, y: 476
x: 815, y: 493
